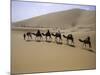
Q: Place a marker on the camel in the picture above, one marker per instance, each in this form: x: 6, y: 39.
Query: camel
x: 57, y: 35
x: 28, y: 34
x: 38, y: 34
x: 69, y: 37
x: 86, y: 41
x: 47, y: 34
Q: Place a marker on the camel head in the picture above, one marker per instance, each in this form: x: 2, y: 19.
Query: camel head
x: 43, y: 34
x: 52, y: 34
x: 64, y: 36
x: 80, y: 40
x: 34, y: 33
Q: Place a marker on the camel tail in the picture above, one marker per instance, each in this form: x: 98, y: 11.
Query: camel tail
x: 81, y: 40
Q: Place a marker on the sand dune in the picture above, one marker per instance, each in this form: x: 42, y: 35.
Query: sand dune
x: 64, y: 19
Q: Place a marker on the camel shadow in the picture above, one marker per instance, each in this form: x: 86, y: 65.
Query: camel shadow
x: 60, y: 43
x: 38, y: 40
x: 33, y: 40
x: 48, y: 41
x: 90, y: 50
x: 28, y: 40
x: 71, y: 45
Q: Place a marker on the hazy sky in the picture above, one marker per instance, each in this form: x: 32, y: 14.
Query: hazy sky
x: 23, y: 10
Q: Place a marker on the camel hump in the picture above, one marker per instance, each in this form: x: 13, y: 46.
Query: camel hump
x: 70, y: 35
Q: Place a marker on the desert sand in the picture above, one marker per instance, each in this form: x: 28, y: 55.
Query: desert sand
x: 32, y: 56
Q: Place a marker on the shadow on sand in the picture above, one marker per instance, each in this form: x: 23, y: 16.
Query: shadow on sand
x: 28, y: 40
x: 48, y: 41
x: 60, y: 43
x: 34, y: 40
x: 38, y: 40
x: 90, y: 50
x: 71, y: 45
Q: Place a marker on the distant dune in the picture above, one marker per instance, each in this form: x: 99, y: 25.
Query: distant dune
x: 63, y: 20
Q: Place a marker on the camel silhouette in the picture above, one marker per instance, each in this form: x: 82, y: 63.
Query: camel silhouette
x: 24, y: 35
x: 69, y: 37
x: 37, y: 34
x: 28, y: 34
x: 57, y: 35
x: 86, y: 41
x: 47, y: 34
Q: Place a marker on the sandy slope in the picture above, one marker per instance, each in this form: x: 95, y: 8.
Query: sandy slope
x: 63, y: 19
x: 32, y: 56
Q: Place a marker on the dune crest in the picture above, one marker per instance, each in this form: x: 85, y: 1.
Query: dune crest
x: 63, y: 19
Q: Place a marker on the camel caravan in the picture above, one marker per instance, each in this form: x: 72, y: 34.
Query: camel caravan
x: 58, y: 38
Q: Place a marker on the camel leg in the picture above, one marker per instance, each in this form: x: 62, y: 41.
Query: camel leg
x: 24, y: 38
x: 35, y: 38
x: 67, y: 41
x: 46, y: 38
x: 31, y: 36
x: 60, y: 39
x: 90, y: 45
x: 50, y: 37
x: 28, y: 37
x: 72, y: 41
x: 41, y: 38
x: 83, y: 45
x: 56, y: 39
